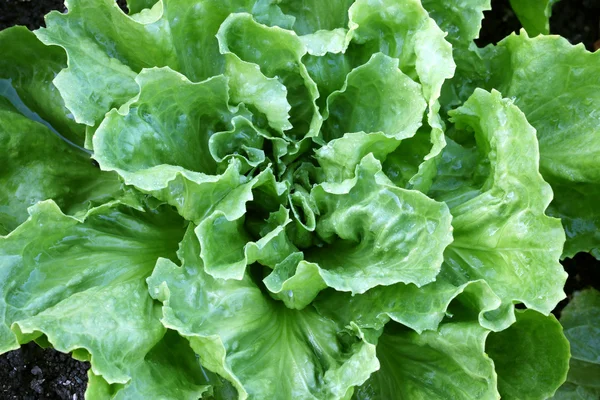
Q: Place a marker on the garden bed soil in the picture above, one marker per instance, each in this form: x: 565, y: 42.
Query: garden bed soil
x: 32, y: 373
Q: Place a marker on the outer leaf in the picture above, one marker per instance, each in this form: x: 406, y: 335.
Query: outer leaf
x: 581, y: 322
x: 81, y: 283
x: 194, y: 25
x: 566, y: 124
x: 249, y: 338
x: 170, y: 371
x: 39, y: 165
x: 556, y: 86
x: 531, y: 357
x: 105, y: 49
x: 377, y: 233
x: 577, y: 207
x: 534, y: 15
x: 570, y: 391
x: 460, y: 19
x: 501, y: 234
x: 30, y: 66
x: 449, y: 363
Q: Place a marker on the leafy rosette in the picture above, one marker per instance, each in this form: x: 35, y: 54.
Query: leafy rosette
x: 278, y: 200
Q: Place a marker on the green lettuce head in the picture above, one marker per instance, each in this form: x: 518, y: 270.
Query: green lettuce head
x: 293, y: 199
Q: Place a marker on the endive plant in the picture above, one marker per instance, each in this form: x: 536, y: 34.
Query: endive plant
x: 294, y: 199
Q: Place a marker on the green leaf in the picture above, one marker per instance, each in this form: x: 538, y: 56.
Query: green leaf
x: 249, y: 338
x: 193, y: 25
x: 566, y: 124
x: 135, y: 6
x: 446, y: 364
x: 105, y: 50
x: 82, y: 282
x: 170, y: 371
x: 462, y: 21
x: 340, y: 157
x: 295, y: 281
x: 419, y: 308
x: 497, y: 199
x: 249, y: 86
x: 39, y: 165
x: 225, y: 227
x: 403, y: 163
x: 139, y: 143
x: 316, y: 15
x: 576, y: 206
x: 241, y: 35
x: 30, y: 66
x: 570, y: 391
x: 561, y: 104
x: 531, y: 357
x: 140, y: 135
x: 376, y: 97
x: 377, y: 233
x: 534, y: 15
x: 321, y: 43
x: 404, y: 30
x: 459, y: 18
x: 581, y: 322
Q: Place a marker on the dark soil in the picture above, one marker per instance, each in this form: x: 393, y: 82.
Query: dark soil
x: 32, y: 373
x: 584, y: 272
x: 576, y: 20
x: 30, y: 13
